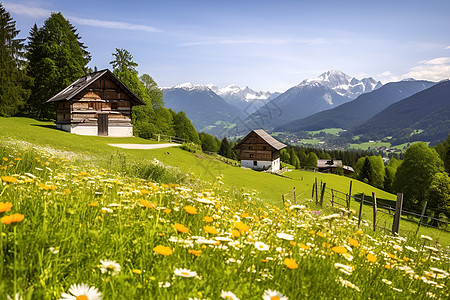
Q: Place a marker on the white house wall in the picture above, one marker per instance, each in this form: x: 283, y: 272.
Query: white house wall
x: 113, y: 131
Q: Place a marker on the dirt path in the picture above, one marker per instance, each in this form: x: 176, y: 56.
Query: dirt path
x: 144, y: 146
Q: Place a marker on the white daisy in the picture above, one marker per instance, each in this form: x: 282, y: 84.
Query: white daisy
x: 109, y: 266
x: 228, y: 295
x: 185, y: 273
x: 285, y: 236
x: 261, y: 246
x: 269, y: 295
x: 77, y: 291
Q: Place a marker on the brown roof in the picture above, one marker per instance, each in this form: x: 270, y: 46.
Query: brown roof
x: 72, y: 90
x: 266, y: 137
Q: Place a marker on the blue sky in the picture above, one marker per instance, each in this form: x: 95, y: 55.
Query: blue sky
x: 266, y: 45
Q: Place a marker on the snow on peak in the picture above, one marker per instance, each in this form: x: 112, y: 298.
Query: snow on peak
x: 191, y: 86
x: 342, y: 83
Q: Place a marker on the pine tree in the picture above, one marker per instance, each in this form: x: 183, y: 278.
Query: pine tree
x: 367, y: 173
x: 225, y: 148
x: 12, y: 77
x: 56, y: 58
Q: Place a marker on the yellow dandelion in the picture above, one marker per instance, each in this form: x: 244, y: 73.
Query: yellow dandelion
x: 360, y: 232
x: 93, y: 204
x: 147, y: 204
x: 163, y: 250
x: 208, y: 219
x: 167, y: 211
x: 190, y: 210
x: 210, y: 229
x: 306, y: 247
x: 372, y: 258
x: 235, y: 233
x: 9, y: 179
x: 137, y: 271
x: 15, y: 218
x: 321, y: 234
x: 181, y: 228
x: 4, y: 207
x: 339, y: 249
x: 291, y: 263
x: 195, y: 252
x: 353, y: 242
x: 242, y: 226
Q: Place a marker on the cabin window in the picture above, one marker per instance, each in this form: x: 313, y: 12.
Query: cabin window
x: 250, y: 147
x: 64, y: 116
x: 264, y: 147
x: 251, y: 155
x: 64, y: 106
x: 255, y: 163
x: 114, y: 105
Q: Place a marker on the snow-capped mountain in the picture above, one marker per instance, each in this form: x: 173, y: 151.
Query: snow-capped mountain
x: 343, y: 84
x: 245, y: 99
x: 326, y: 91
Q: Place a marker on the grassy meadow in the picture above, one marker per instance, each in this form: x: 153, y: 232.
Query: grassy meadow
x: 169, y: 224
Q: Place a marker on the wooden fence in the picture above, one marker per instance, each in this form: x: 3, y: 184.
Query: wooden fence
x: 289, y: 194
x: 163, y: 137
x: 384, y: 216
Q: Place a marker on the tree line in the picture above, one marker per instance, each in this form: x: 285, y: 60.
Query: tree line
x: 53, y: 57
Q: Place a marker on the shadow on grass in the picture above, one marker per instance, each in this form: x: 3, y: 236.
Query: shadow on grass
x: 53, y: 126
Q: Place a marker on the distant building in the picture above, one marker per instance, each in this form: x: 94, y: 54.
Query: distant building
x: 96, y: 104
x: 260, y: 151
x: 330, y: 166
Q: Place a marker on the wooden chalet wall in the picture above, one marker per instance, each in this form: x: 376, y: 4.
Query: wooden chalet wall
x: 102, y: 96
x: 256, y: 148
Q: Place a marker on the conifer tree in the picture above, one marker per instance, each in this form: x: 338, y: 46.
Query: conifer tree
x: 56, y: 58
x: 225, y: 148
x: 13, y: 94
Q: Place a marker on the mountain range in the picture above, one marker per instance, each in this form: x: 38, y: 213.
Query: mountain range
x: 358, y: 111
x: 327, y: 91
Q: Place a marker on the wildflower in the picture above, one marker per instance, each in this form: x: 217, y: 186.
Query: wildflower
x: 208, y: 219
x: 285, y: 236
x: 15, y: 218
x: 353, y: 242
x: 431, y: 248
x: 9, y: 179
x: 291, y: 263
x: 181, y: 228
x: 426, y: 237
x: 137, y: 271
x: 372, y: 258
x: 82, y: 292
x: 195, y: 252
x: 228, y: 295
x: 46, y: 187
x: 330, y: 217
x: 4, y: 207
x: 93, y: 204
x: 411, y: 249
x: 163, y: 250
x: 190, y: 210
x: 109, y: 266
x: 273, y: 295
x: 347, y: 283
x: 107, y: 210
x: 242, y: 226
x: 386, y: 281
x: 147, y: 204
x: 164, y: 284
x: 261, y: 246
x: 204, y: 201
x: 235, y: 233
x: 321, y: 234
x: 210, y: 229
x: 53, y: 250
x: 339, y: 249
x: 185, y: 273
x: 344, y: 268
x: 306, y: 247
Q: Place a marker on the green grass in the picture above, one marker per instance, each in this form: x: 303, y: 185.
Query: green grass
x: 369, y: 145
x: 80, y: 211
x: 334, y: 131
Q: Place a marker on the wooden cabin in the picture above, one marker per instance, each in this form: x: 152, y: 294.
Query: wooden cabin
x: 260, y: 151
x: 96, y: 104
x: 331, y: 165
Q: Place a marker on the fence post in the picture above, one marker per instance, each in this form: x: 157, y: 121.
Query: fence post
x: 317, y: 196
x: 374, y: 204
x: 349, y: 195
x: 314, y: 186
x: 282, y: 197
x: 398, y: 213
x: 159, y: 137
x: 332, y: 198
x: 295, y: 198
x: 421, y: 216
x: 360, y: 209
x: 323, y: 193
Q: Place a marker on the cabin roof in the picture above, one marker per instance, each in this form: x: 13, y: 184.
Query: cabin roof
x: 80, y: 84
x: 266, y: 137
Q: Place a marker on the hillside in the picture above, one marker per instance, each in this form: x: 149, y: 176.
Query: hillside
x: 421, y: 117
x: 357, y: 111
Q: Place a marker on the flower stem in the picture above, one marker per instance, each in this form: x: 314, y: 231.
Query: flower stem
x: 15, y: 261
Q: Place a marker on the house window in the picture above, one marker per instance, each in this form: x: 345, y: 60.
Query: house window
x: 251, y: 155
x: 64, y: 106
x: 64, y: 116
x: 250, y: 147
x: 255, y: 163
x: 264, y: 148
x: 114, y: 105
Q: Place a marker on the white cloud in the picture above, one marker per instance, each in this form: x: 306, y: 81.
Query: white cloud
x: 113, y: 24
x: 37, y: 12
x: 448, y: 47
x: 436, y: 61
x: 235, y: 41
